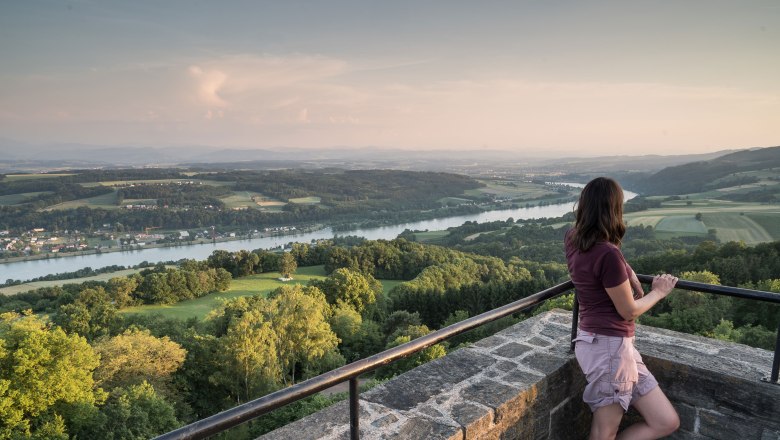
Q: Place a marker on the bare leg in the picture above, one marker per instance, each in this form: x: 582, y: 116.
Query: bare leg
x: 661, y: 419
x: 605, y: 422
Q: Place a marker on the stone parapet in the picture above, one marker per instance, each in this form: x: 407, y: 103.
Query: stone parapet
x: 522, y: 383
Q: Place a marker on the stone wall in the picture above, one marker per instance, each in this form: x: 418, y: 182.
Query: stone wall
x: 523, y: 383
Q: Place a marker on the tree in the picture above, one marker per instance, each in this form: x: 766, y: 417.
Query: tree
x: 136, y: 356
x: 91, y: 315
x: 693, y: 312
x: 248, y: 357
x: 406, y: 335
x: 353, y: 289
x: 121, y: 290
x: 287, y: 265
x: 135, y: 413
x: 300, y: 319
x: 43, y: 372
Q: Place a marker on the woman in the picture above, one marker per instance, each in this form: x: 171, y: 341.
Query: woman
x: 611, y: 298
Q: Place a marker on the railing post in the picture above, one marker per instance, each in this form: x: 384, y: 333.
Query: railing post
x: 354, y: 409
x: 575, y: 316
x: 776, y: 362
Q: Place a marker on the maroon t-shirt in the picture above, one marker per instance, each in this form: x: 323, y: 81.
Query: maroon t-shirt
x: 592, y: 272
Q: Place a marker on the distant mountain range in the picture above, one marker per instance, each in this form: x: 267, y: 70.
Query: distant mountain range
x: 21, y: 156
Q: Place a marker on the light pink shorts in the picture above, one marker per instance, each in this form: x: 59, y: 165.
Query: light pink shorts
x: 613, y: 368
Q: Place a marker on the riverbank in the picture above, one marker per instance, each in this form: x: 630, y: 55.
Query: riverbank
x: 54, y: 256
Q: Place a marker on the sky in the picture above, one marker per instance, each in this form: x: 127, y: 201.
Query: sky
x: 587, y: 77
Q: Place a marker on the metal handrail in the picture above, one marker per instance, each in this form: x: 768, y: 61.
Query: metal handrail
x: 247, y: 411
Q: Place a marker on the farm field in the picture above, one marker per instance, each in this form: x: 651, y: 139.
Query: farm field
x: 242, y: 199
x: 245, y: 286
x: 17, y: 177
x: 454, y: 201
x: 312, y: 200
x: 749, y: 222
x: 13, y: 290
x: 15, y: 199
x: 514, y: 190
x: 105, y: 201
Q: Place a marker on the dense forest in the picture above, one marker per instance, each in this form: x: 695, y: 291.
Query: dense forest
x: 128, y: 376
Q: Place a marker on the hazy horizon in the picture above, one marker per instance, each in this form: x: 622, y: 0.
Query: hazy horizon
x: 557, y: 78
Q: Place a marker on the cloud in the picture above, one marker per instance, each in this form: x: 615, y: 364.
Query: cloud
x: 208, y: 85
x: 316, y: 101
x: 303, y: 116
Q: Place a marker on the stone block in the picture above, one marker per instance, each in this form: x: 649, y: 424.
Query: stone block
x: 421, y: 428
x: 556, y: 332
x: 511, y: 350
x: 722, y: 426
x: 489, y: 393
x: 328, y: 422
x: 570, y: 419
x: 770, y: 434
x: 432, y: 379
x: 474, y: 419
x: 543, y: 362
x: 490, y: 342
x: 521, y: 379
x: 539, y: 342
x: 562, y: 317
x: 687, y: 415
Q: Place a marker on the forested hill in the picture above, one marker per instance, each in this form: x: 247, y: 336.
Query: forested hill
x: 725, y: 171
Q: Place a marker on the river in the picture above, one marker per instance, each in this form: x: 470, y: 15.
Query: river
x: 25, y: 270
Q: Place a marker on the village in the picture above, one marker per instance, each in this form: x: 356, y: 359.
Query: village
x: 41, y: 243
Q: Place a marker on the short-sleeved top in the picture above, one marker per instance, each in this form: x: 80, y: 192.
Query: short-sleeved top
x: 600, y: 267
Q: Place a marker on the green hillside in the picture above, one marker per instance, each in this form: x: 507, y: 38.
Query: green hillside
x: 726, y: 171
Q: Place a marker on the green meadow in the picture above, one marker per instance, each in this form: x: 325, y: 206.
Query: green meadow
x: 105, y: 201
x: 259, y: 284
x: 430, y: 236
x: 20, y: 288
x: 732, y: 221
x: 312, y: 200
x: 15, y: 199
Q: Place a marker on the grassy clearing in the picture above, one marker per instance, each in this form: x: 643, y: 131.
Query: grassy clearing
x: 13, y: 290
x: 312, y: 200
x: 253, y: 200
x: 15, y: 199
x: 430, y: 236
x: 242, y: 199
x: 387, y: 285
x: 105, y: 201
x: 16, y: 177
x: 246, y: 286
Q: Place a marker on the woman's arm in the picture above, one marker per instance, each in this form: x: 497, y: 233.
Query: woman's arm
x: 629, y: 308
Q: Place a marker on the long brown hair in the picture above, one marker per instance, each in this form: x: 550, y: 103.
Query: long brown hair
x: 599, y: 214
